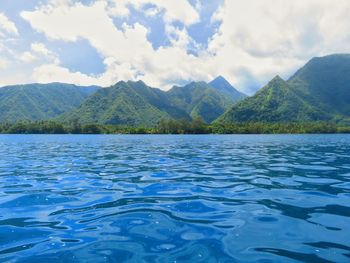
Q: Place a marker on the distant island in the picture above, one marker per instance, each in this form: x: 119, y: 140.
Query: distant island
x: 316, y: 99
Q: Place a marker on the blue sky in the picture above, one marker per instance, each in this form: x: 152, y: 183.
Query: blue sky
x: 166, y: 42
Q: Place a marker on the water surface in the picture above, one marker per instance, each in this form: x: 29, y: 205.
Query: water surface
x: 210, y: 198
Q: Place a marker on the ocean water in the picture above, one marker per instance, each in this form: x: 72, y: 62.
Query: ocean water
x: 157, y: 198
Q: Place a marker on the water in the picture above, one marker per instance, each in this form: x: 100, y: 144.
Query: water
x: 76, y: 198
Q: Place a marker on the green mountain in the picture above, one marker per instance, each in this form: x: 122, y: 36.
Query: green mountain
x: 131, y: 103
x: 319, y: 91
x: 201, y: 100
x: 40, y: 101
x: 276, y: 102
x: 135, y: 103
x: 223, y: 86
x: 325, y: 83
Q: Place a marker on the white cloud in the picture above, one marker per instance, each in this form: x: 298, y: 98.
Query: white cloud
x: 119, y: 8
x: 40, y: 48
x: 269, y: 37
x: 27, y: 57
x: 132, y: 54
x: 7, y: 26
x: 8, y: 35
x: 70, y: 23
x: 179, y: 10
x: 3, y: 63
x: 54, y: 73
x: 256, y: 39
x: 38, y: 51
x: 152, y: 11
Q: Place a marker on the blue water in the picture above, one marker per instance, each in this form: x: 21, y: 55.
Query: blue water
x: 101, y: 198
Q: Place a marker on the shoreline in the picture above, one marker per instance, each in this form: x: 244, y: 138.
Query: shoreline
x: 173, y: 135
x: 175, y: 127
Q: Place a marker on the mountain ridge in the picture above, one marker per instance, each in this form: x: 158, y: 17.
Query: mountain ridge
x: 40, y: 101
x: 222, y: 85
x: 275, y: 102
x: 318, y: 91
x: 135, y: 103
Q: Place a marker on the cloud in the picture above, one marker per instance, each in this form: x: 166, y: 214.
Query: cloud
x: 152, y: 11
x: 179, y: 10
x: 268, y: 37
x: 38, y: 51
x: 27, y: 57
x: 40, y: 48
x: 132, y: 54
x: 3, y: 63
x: 119, y: 8
x: 255, y: 40
x: 54, y: 73
x: 7, y: 26
x: 72, y: 22
x: 8, y: 35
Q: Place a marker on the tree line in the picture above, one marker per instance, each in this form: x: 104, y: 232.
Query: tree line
x: 196, y: 126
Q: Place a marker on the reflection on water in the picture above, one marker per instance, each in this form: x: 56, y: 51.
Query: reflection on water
x: 175, y: 198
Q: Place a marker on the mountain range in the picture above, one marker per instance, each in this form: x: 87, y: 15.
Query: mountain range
x: 40, y: 101
x: 135, y: 103
x: 319, y: 91
x: 125, y: 103
x: 222, y: 85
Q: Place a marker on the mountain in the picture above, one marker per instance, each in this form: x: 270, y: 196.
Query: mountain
x: 223, y: 86
x: 129, y: 103
x: 135, y: 103
x: 199, y: 99
x: 325, y: 83
x: 40, y: 101
x: 276, y: 102
x: 319, y: 91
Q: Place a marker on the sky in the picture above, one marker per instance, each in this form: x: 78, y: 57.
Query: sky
x: 166, y: 42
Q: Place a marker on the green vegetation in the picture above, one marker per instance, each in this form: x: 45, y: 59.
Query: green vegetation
x: 276, y: 102
x: 131, y: 103
x: 197, y: 126
x: 223, y: 86
x: 53, y: 127
x: 200, y: 100
x: 325, y: 83
x: 135, y: 104
x: 40, y: 101
x: 320, y: 91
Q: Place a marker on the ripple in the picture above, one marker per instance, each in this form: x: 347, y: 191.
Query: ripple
x: 273, y: 198
x: 17, y: 248
x: 267, y: 219
x: 304, y: 257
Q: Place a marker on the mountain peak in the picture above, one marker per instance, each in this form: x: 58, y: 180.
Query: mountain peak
x: 120, y: 82
x: 222, y: 85
x: 220, y: 80
x: 220, y: 77
x: 277, y: 84
x: 139, y: 82
x: 278, y: 78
